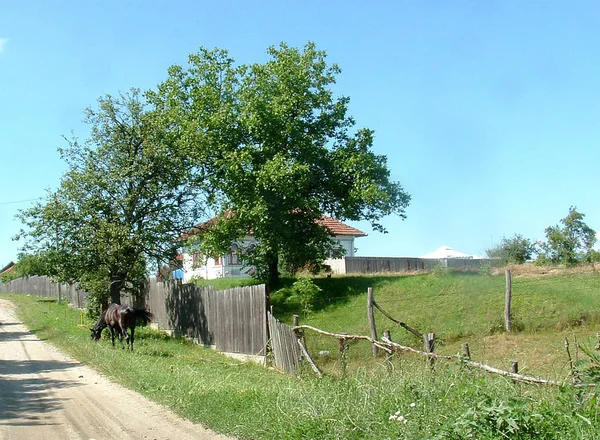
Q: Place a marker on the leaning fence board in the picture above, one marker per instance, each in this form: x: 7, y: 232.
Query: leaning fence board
x: 286, y: 351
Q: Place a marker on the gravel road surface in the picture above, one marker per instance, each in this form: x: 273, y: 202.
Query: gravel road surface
x: 44, y: 395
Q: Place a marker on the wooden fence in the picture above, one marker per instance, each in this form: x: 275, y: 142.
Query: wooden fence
x: 44, y: 287
x: 232, y: 320
x: 402, y: 264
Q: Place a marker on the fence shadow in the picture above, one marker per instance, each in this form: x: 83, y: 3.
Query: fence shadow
x: 187, y: 314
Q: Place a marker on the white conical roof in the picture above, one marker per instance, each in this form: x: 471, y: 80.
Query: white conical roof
x: 446, y: 252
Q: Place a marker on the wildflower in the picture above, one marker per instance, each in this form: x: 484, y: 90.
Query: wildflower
x: 412, y: 405
x: 397, y: 417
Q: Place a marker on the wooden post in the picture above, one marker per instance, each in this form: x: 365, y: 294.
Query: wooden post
x: 507, y: 302
x: 371, y: 317
x: 388, y: 356
x: 466, y: 351
x: 429, y: 345
x: 514, y: 367
x: 343, y: 347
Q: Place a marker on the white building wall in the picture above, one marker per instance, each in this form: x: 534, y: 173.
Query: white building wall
x: 209, y: 269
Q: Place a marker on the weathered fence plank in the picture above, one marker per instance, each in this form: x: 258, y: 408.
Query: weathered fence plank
x: 286, y: 350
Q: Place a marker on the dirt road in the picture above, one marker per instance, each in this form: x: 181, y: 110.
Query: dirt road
x: 44, y: 395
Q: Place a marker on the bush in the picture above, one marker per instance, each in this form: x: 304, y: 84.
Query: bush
x: 304, y: 291
x: 515, y: 250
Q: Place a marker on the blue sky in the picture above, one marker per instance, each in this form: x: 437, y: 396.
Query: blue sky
x: 487, y: 110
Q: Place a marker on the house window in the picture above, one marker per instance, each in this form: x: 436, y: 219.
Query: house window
x: 234, y: 255
x: 218, y: 261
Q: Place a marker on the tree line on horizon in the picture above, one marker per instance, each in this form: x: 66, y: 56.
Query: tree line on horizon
x: 569, y: 243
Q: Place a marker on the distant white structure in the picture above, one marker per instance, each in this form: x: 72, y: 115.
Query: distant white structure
x: 447, y: 252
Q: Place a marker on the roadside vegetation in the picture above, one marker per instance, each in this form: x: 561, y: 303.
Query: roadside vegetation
x: 413, y: 402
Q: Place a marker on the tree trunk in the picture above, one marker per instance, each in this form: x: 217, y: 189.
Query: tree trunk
x: 273, y: 268
x: 117, y: 281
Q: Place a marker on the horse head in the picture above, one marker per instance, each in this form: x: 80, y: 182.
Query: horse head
x: 95, y: 334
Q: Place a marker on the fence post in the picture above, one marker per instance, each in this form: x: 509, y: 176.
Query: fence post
x: 466, y: 351
x: 299, y: 333
x: 429, y: 345
x: 343, y: 348
x: 388, y: 356
x: 507, y: 302
x: 371, y: 316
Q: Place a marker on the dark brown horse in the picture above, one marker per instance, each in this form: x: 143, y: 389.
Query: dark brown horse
x: 120, y: 318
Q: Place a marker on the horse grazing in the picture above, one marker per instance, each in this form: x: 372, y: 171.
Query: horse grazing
x: 120, y: 318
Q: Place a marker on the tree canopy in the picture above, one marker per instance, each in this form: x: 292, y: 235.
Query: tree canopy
x: 278, y: 150
x: 126, y: 196
x: 514, y: 250
x: 570, y: 244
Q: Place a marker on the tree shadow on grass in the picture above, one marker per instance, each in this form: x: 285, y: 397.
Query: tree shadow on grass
x: 335, y: 291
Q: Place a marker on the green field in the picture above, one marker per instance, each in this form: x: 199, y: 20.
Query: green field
x: 251, y: 402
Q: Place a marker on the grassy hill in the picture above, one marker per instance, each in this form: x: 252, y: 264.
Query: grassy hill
x: 463, y: 308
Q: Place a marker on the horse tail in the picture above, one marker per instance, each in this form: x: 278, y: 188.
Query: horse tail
x: 143, y: 314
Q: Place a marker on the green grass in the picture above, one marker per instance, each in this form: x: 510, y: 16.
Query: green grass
x: 248, y: 401
x: 461, y: 308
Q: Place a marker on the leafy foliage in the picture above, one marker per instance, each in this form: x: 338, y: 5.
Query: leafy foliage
x: 514, y: 250
x: 304, y: 291
x: 27, y: 265
x: 127, y: 194
x: 569, y: 244
x: 589, y: 369
x: 276, y: 150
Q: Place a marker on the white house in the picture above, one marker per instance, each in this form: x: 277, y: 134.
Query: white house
x: 231, y: 264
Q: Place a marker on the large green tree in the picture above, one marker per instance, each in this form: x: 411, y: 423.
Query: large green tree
x: 278, y: 151
x: 572, y: 242
x: 127, y: 194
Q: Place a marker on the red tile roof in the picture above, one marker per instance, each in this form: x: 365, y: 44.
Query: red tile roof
x: 336, y: 227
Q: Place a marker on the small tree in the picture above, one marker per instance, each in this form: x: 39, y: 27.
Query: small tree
x: 515, y: 250
x: 572, y: 243
x: 127, y: 194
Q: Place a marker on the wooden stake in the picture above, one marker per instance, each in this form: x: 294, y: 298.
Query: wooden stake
x: 371, y: 317
x: 466, y: 351
x: 343, y: 347
x: 429, y: 344
x: 507, y: 323
x: 388, y: 356
x: 309, y: 359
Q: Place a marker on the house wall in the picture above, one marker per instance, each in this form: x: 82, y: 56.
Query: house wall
x: 211, y: 269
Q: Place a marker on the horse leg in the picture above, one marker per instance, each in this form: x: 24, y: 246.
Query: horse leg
x: 123, y: 334
x: 132, y: 336
x: 112, y: 334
